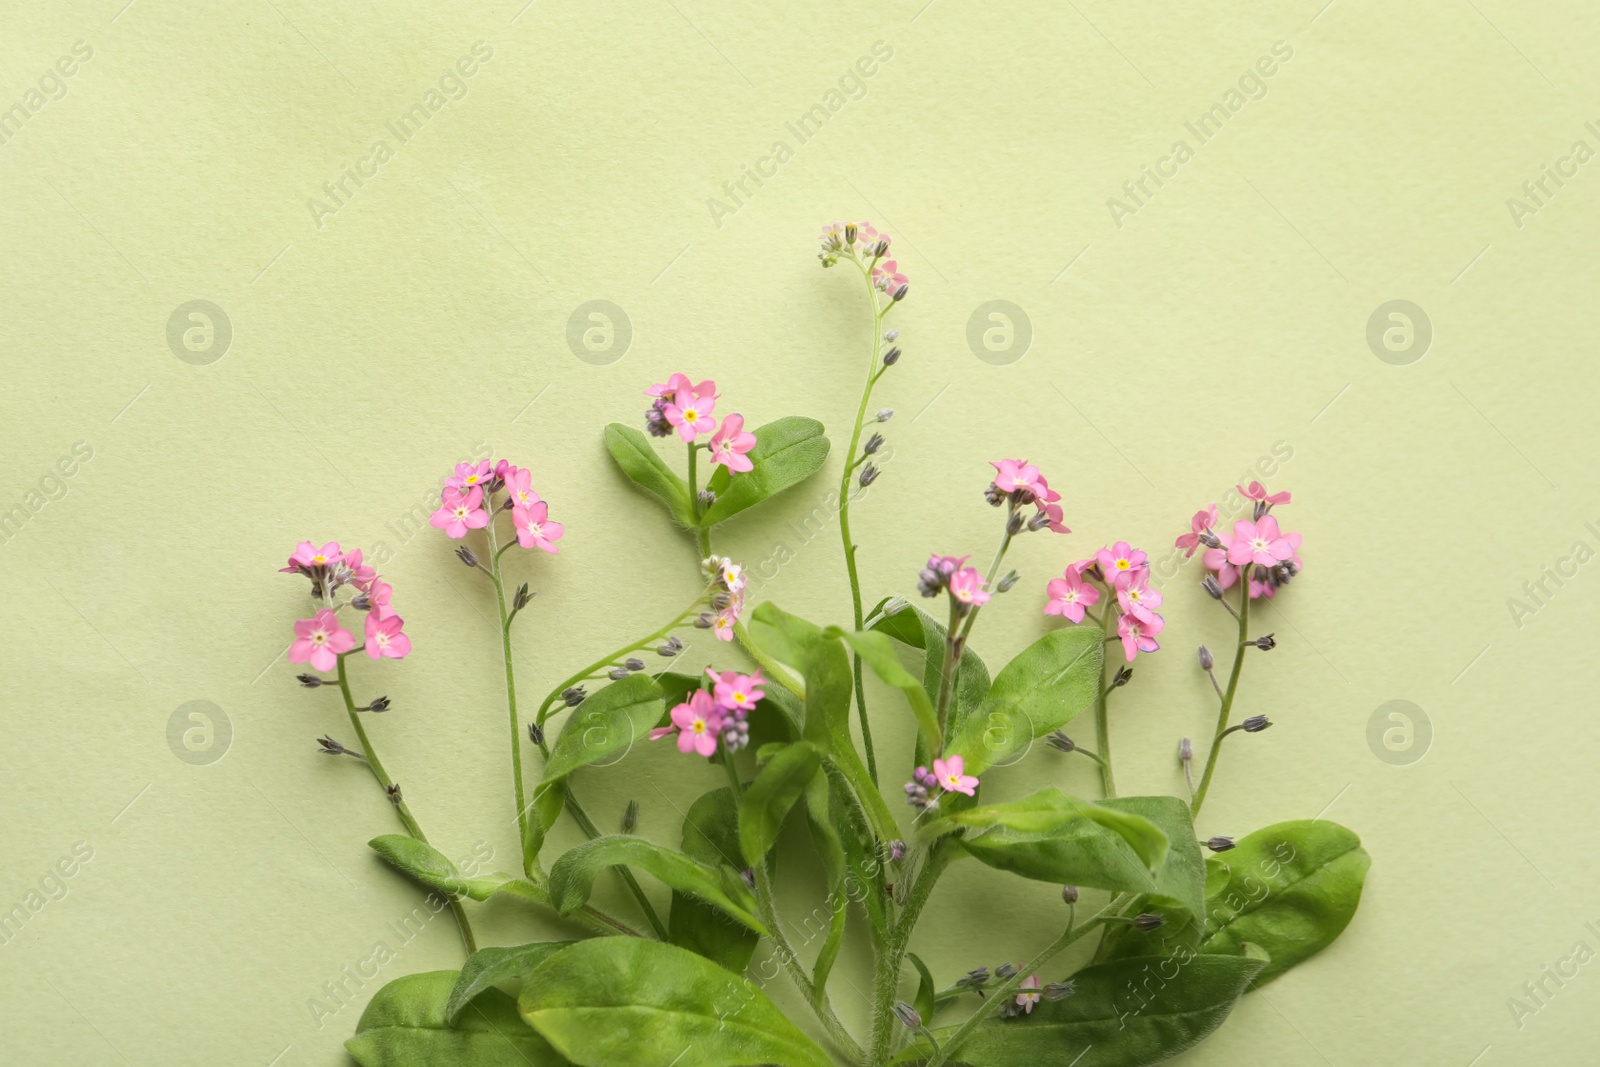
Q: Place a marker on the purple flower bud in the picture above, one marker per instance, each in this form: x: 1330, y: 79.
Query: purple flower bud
x: 1148, y: 922
x: 1220, y: 844
x: 1206, y: 659
x: 310, y: 681
x: 1256, y: 723
x: 907, y: 1015
x: 1069, y: 894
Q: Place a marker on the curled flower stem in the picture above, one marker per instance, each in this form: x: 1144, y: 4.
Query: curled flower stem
x: 844, y: 511
x: 1009, y: 988
x: 1102, y: 721
x: 406, y: 818
x: 1227, y: 698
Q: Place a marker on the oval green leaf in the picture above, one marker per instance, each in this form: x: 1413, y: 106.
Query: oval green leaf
x: 406, y: 1025
x: 711, y: 835
x: 606, y: 725
x: 1040, y: 690
x: 488, y: 966
x: 775, y: 790
x: 786, y: 453
x: 428, y: 866
x: 1050, y: 811
x: 572, y: 876
x: 629, y: 1002
x: 638, y: 459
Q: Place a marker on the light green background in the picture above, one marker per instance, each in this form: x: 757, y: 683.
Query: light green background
x: 428, y: 315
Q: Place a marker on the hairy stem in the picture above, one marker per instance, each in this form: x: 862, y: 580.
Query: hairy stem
x: 892, y: 957
x: 1102, y: 721
x: 524, y: 841
x: 1227, y: 698
x: 406, y: 818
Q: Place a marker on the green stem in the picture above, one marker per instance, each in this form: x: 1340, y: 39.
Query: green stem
x: 893, y: 955
x: 958, y: 645
x: 1009, y: 988
x: 511, y: 699
x: 406, y: 818
x: 1227, y: 698
x: 586, y: 824
x: 947, y: 672
x: 1102, y: 720
x: 844, y: 518
x: 593, y: 670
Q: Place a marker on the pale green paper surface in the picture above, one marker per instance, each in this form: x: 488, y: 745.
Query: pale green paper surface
x: 427, y: 315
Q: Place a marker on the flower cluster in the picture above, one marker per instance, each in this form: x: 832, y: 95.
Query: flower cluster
x: 862, y: 242
x: 1271, y: 555
x: 722, y: 712
x: 321, y: 639
x: 951, y: 573
x: 1019, y: 483
x: 1123, y: 572
x: 469, y: 501
x: 687, y: 408
x: 947, y: 776
x: 726, y: 598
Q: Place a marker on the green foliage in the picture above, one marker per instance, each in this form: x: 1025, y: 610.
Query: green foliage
x: 786, y: 453
x: 407, y: 1024
x: 641, y: 463
x: 572, y: 876
x: 489, y: 966
x: 428, y: 866
x: 768, y: 799
x: 711, y: 836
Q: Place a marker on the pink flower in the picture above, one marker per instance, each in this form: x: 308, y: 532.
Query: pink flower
x: 461, y: 512
x: 730, y: 443
x: 1070, y: 595
x: 691, y: 413
x: 1258, y: 542
x: 946, y: 565
x: 950, y: 776
x: 1120, y: 557
x: 384, y: 637
x: 966, y: 585
x: 737, y: 693
x: 697, y: 722
x: 868, y: 235
x: 361, y: 574
x: 379, y: 596
x: 722, y: 626
x: 1030, y: 993
x: 1257, y: 491
x: 1216, y: 559
x: 468, y: 475
x: 679, y: 382
x: 1136, y: 597
x: 729, y: 574
x: 534, y: 529
x: 1012, y: 475
x: 518, y: 481
x: 319, y: 641
x: 1054, y: 513
x: 887, y: 277
x: 1138, y: 636
x: 307, y: 555
x: 1198, y: 524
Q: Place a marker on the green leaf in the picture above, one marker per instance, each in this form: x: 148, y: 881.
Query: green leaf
x: 1040, y: 690
x: 926, y: 990
x: 606, y: 724
x: 786, y: 453
x: 835, y: 865
x: 1181, y: 881
x: 1130, y: 1013
x: 405, y: 1025
x: 877, y: 652
x: 1291, y: 888
x: 711, y: 835
x: 638, y: 459
x: 1050, y: 811
x: 629, y: 1002
x: 572, y: 876
x: 430, y: 867
x: 488, y: 966
x: 767, y: 801
x: 915, y: 628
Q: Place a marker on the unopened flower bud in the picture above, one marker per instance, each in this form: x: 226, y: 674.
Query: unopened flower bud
x: 1040, y: 520
x: 1059, y: 990
x: 670, y: 647
x: 1147, y: 922
x: 1220, y: 843
x: 393, y: 793
x: 1004, y: 971
x: 1207, y: 661
x: 1186, y: 750
x: 630, y: 817
x: 900, y: 293
x: 633, y: 664
x: 885, y: 414
x: 1069, y: 894
x: 974, y: 979
x: 849, y: 233
x: 573, y: 695
x: 535, y: 733
x: 1209, y: 539
x: 380, y: 705
x: 330, y: 747
x: 522, y: 598
x: 749, y: 877
x: 907, y: 1015
x: 310, y: 681
x: 891, y: 357
x: 1015, y: 522
x: 1256, y: 723
x: 994, y: 496
x: 869, y: 474
x: 897, y: 850
x: 874, y: 443
x: 1265, y: 644
x: 704, y: 621
x: 1122, y: 677
x: 1260, y: 510
x: 707, y: 498
x: 1004, y: 584
x: 1212, y: 587
x: 617, y: 674
x: 892, y: 336
x: 1061, y: 742
x: 361, y: 602
x: 464, y: 554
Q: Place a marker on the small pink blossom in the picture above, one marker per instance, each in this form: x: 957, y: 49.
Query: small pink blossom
x: 1257, y: 491
x: 697, y: 722
x: 1054, y: 513
x: 966, y: 585
x: 1012, y: 475
x: 307, y: 555
x: 461, y: 512
x: 519, y: 485
x: 691, y: 413
x: 671, y: 387
x: 1198, y: 524
x: 737, y: 693
x: 868, y: 235
x: 722, y: 626
x: 1030, y: 993
x: 951, y: 776
x: 730, y: 443
x: 384, y: 637
x: 730, y: 575
x: 1258, y: 542
x: 468, y: 475
x: 379, y: 596
x: 319, y: 641
x: 887, y: 277
x: 1138, y: 636
x: 1070, y: 596
x: 1135, y: 596
x: 534, y: 528
x: 1119, y: 558
x: 361, y: 574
